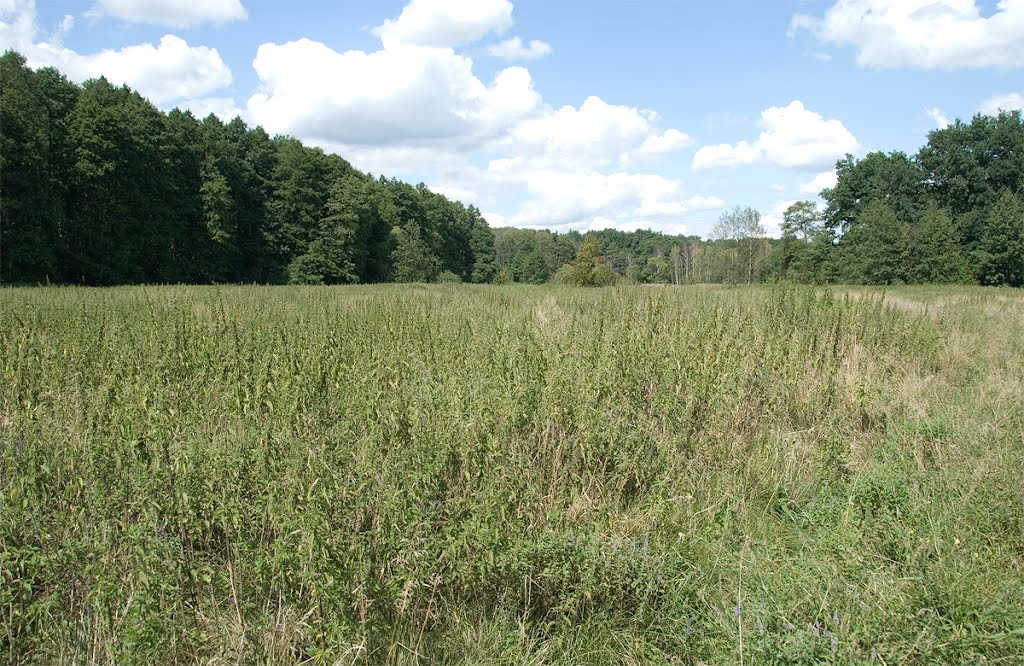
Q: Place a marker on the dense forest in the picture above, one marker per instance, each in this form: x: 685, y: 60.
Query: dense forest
x: 98, y: 186
x: 952, y: 213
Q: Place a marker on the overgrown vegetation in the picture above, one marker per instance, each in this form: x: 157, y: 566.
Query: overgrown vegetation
x: 463, y: 474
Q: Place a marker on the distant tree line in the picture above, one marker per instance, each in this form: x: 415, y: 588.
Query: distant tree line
x: 99, y: 187
x: 952, y: 213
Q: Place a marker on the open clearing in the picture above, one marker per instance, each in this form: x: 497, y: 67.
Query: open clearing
x: 456, y: 474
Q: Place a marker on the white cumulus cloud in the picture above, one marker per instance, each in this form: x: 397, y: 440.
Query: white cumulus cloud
x: 595, y: 134
x: 824, y: 180
x: 1002, y: 102
x: 168, y: 71
x: 165, y: 72
x: 222, y: 107
x: 922, y: 34
x: 401, y: 94
x: 172, y: 13
x: 514, y: 49
x: 581, y: 200
x: 940, y: 119
x: 448, y: 23
x: 772, y: 220
x: 415, y: 108
x: 792, y: 137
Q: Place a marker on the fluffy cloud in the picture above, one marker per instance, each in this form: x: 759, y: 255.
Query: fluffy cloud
x: 582, y: 200
x: 168, y: 71
x: 595, y: 134
x: 222, y: 107
x: 725, y: 155
x: 448, y: 23
x: 825, y: 179
x: 940, y: 119
x: 514, y: 49
x: 173, y: 13
x: 404, y: 94
x: 656, y: 145
x: 1008, y: 102
x: 922, y: 34
x: 772, y: 221
x: 416, y: 107
x: 792, y: 137
x: 17, y: 24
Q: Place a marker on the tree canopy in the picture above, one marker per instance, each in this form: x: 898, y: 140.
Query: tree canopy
x: 101, y: 187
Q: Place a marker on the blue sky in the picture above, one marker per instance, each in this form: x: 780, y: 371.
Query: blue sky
x: 563, y: 114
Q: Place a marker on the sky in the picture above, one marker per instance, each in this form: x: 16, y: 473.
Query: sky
x: 561, y: 114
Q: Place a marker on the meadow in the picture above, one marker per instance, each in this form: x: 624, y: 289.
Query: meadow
x: 511, y: 475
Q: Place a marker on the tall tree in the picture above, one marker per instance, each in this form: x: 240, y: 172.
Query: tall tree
x: 968, y: 166
x: 875, y: 250
x: 743, y: 227
x: 413, y: 260
x: 97, y: 186
x: 481, y: 244
x: 1001, y: 245
x: 590, y: 269
x: 802, y: 232
x: 34, y: 162
x: 937, y: 255
x: 299, y: 196
x: 893, y: 179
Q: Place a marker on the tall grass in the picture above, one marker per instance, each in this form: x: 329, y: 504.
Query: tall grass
x: 458, y: 474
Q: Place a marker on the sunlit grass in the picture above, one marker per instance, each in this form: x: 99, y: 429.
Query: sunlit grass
x: 455, y: 474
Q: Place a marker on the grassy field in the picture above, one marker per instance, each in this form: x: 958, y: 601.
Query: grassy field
x: 514, y: 475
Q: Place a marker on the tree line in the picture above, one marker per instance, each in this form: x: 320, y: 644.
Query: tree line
x: 952, y: 213
x: 99, y: 187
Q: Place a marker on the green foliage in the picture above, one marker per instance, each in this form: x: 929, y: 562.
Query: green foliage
x: 968, y: 166
x: 412, y: 259
x: 590, y: 269
x: 952, y: 196
x: 1001, y: 246
x: 485, y: 266
x: 100, y: 187
x: 893, y: 179
x: 876, y: 248
x: 741, y: 250
x: 805, y: 243
x: 460, y: 473
x: 938, y: 255
x: 34, y: 107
